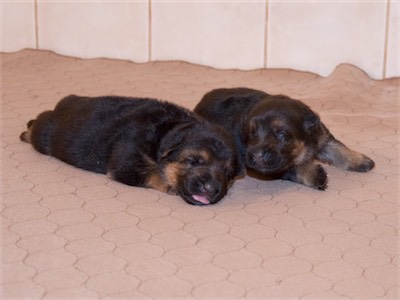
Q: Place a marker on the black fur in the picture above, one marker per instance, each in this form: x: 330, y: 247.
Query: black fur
x: 279, y: 137
x: 140, y: 142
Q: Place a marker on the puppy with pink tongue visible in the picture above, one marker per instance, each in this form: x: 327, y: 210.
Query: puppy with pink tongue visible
x: 140, y: 142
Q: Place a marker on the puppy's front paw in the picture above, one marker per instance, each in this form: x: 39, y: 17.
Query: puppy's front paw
x: 310, y: 174
x: 321, y: 178
x: 171, y: 191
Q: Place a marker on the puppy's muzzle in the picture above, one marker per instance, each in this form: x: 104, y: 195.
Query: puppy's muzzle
x: 211, y: 188
x: 204, y: 190
x: 262, y: 158
x: 265, y: 160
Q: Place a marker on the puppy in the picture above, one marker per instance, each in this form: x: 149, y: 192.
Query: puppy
x: 279, y: 137
x: 140, y: 142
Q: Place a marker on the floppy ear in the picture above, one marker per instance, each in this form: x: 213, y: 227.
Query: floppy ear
x: 172, y: 142
x: 252, y: 125
x: 247, y: 128
x: 169, y: 148
x: 312, y: 124
x: 168, y: 152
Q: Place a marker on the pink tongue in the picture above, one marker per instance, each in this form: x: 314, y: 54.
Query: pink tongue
x: 201, y: 199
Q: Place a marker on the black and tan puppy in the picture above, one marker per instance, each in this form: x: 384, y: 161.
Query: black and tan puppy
x: 279, y: 137
x: 140, y: 142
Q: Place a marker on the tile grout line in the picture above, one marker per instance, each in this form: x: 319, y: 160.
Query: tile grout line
x: 149, y: 31
x: 36, y: 24
x: 386, y: 40
x: 265, y: 54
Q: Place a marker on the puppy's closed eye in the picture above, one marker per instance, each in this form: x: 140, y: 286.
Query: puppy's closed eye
x: 194, y: 161
x: 283, y: 136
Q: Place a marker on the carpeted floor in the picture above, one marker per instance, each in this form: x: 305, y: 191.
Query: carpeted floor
x: 78, y: 235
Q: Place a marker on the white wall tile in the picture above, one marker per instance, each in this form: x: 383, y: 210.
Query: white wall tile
x: 220, y: 34
x: 18, y: 25
x: 95, y: 29
x: 317, y: 36
x: 393, y: 51
x: 304, y: 35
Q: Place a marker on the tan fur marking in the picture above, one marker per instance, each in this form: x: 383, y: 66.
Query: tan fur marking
x: 341, y: 156
x: 171, y: 173
x: 352, y: 158
x: 277, y: 123
x: 306, y: 173
x: 162, y: 180
x: 165, y: 180
x: 205, y: 155
x: 156, y: 182
x: 26, y: 136
x: 300, y: 152
x: 355, y: 158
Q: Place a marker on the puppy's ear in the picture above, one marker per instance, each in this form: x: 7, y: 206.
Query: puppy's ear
x: 311, y: 124
x: 166, y: 153
x: 249, y: 127
x: 172, y: 143
x: 170, y: 153
x: 253, y: 125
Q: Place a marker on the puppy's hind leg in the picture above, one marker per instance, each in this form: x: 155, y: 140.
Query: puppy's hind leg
x: 40, y: 132
x: 337, y: 154
x: 26, y: 135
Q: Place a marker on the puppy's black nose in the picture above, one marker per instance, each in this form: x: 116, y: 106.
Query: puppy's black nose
x: 270, y: 157
x: 211, y: 188
x: 208, y: 187
x: 256, y: 158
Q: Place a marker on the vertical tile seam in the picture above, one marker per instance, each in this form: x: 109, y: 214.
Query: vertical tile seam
x: 35, y: 10
x: 149, y: 33
x: 386, y: 41
x: 265, y: 62
x: 2, y: 30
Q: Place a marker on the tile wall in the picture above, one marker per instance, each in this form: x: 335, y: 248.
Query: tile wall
x: 302, y: 35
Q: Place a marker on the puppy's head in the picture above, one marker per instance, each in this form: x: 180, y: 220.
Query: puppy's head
x: 279, y: 132
x: 202, y: 166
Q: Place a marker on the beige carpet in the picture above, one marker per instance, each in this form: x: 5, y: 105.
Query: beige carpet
x: 78, y: 235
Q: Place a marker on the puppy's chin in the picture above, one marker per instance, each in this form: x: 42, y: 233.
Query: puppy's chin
x: 198, y: 200
x: 268, y: 171
x: 198, y: 185
x: 201, y: 198
x: 265, y: 168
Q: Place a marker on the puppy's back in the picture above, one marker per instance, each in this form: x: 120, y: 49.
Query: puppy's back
x: 82, y: 130
x: 226, y: 107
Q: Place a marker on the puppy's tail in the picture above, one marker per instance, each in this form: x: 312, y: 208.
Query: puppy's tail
x: 26, y: 135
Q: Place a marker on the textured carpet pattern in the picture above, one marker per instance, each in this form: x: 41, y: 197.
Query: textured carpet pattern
x: 74, y: 234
